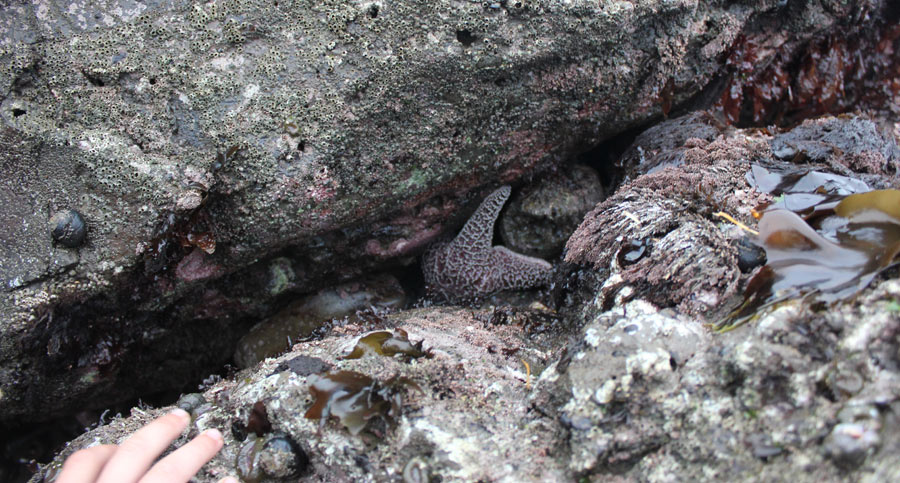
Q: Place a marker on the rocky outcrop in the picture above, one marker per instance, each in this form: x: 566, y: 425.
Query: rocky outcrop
x: 626, y: 380
x: 805, y: 392
x: 804, y: 396
x: 206, y: 144
x: 463, y: 405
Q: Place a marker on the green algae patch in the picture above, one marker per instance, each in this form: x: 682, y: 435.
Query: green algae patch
x: 388, y: 344
x: 355, y: 399
x: 830, y: 255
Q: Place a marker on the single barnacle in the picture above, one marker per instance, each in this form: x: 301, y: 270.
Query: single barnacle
x: 469, y: 266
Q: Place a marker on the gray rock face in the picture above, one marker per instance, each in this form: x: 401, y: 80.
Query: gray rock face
x: 854, y: 143
x: 540, y: 218
x: 649, y: 393
x: 627, y: 382
x: 642, y: 394
x: 356, y: 128
x: 653, y: 396
x: 464, y: 418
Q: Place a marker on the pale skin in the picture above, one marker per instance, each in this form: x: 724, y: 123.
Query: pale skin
x: 135, y: 459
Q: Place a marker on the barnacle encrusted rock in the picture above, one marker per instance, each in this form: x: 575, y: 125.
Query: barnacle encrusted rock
x: 469, y: 266
x: 640, y: 394
x: 470, y: 410
x: 359, y: 127
x: 648, y: 395
x: 656, y: 235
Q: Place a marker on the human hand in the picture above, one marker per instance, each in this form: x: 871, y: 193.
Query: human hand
x: 132, y: 461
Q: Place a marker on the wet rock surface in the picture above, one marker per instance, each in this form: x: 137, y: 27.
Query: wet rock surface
x: 660, y: 236
x: 854, y: 143
x: 649, y: 395
x: 226, y: 154
x: 540, y: 218
x: 664, y: 144
x: 657, y: 237
x: 625, y: 381
x: 305, y: 316
x: 464, y: 408
x: 655, y: 393
x: 176, y: 173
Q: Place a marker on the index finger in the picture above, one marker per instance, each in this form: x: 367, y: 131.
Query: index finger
x: 141, y: 449
x: 84, y: 465
x: 187, y: 460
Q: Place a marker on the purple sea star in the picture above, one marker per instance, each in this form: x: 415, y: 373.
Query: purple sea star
x: 469, y: 267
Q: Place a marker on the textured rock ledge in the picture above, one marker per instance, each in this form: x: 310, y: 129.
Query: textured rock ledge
x: 641, y: 395
x: 640, y: 391
x: 360, y: 129
x: 471, y: 414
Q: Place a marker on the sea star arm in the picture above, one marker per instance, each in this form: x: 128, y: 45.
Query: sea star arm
x: 478, y: 232
x: 516, y: 270
x: 469, y: 266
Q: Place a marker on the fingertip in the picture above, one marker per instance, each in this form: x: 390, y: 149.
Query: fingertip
x: 85, y: 464
x: 184, y: 462
x: 229, y: 479
x: 137, y: 453
x: 181, y: 414
x: 216, y: 436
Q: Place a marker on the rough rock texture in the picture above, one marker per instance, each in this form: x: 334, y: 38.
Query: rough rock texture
x: 851, y: 143
x: 657, y: 236
x: 358, y: 128
x: 664, y: 144
x: 648, y: 393
x: 800, y: 396
x: 540, y: 218
x: 471, y: 420
x: 643, y: 390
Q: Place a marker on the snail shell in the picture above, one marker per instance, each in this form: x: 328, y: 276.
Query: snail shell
x: 68, y: 228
